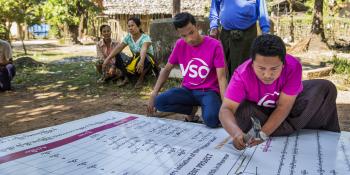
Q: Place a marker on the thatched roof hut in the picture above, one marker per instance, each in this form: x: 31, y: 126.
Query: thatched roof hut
x: 152, y: 7
x: 116, y: 12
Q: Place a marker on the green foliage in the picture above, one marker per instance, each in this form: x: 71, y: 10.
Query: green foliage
x: 55, y: 32
x: 20, y: 11
x: 28, y: 11
x: 341, y: 65
x: 60, y: 12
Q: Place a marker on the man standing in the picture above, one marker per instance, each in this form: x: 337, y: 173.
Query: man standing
x: 7, y: 69
x: 202, y: 64
x: 238, y: 21
x: 269, y: 88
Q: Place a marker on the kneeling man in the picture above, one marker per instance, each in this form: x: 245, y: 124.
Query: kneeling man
x: 201, y: 59
x: 268, y: 88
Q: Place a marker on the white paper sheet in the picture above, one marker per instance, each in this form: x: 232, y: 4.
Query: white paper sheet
x: 122, y: 143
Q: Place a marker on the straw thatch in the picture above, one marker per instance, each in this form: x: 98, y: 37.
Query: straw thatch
x: 148, y: 7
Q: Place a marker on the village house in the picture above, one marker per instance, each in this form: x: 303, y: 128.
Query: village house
x: 117, y: 12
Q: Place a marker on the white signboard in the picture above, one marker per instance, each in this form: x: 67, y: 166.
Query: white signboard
x: 120, y: 143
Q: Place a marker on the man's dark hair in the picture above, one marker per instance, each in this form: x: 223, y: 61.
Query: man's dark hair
x: 103, y: 26
x: 268, y: 45
x: 182, y: 19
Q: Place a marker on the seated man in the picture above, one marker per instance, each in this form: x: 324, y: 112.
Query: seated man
x: 103, y: 48
x: 269, y: 87
x: 201, y: 60
x: 7, y: 69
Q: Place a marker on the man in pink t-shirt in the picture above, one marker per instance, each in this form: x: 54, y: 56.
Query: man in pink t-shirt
x: 201, y: 60
x: 269, y: 87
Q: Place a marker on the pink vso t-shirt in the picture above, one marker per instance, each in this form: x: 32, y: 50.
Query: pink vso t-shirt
x: 198, y: 63
x: 245, y: 85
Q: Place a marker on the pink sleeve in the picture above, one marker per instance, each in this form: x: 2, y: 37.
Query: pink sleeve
x: 219, y: 58
x: 174, y: 58
x: 235, y: 90
x: 294, y: 83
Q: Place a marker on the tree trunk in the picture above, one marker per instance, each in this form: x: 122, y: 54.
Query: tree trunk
x: 94, y: 29
x: 176, y: 7
x: 26, y: 32
x: 332, y: 4
x: 8, y: 26
x: 291, y: 27
x: 317, y: 22
x: 19, y: 31
x: 22, y: 38
x: 85, y: 24
x: 81, y: 27
x: 278, y: 19
x: 317, y: 38
x: 73, y: 32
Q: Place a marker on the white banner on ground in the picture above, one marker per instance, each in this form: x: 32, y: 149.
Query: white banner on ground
x: 121, y: 143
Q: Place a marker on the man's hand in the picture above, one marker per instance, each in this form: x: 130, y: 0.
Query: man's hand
x: 214, y: 33
x: 4, y: 62
x: 112, y: 71
x: 238, y: 141
x: 150, y: 108
x: 254, y: 141
x: 105, y: 62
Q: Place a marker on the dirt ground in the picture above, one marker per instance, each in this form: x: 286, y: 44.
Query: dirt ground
x: 22, y: 110
x: 26, y: 109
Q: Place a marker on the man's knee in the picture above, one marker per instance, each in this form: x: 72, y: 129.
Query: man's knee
x: 211, y: 118
x: 211, y: 121
x: 329, y: 86
x: 321, y: 84
x: 12, y: 69
x: 160, y: 102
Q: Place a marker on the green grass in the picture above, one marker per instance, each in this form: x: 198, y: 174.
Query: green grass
x: 49, y: 56
x: 341, y: 65
x: 79, y: 78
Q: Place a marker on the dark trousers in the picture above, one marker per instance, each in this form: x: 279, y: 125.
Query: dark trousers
x: 182, y: 100
x: 237, y: 46
x: 314, y: 108
x: 120, y: 64
x: 6, y: 75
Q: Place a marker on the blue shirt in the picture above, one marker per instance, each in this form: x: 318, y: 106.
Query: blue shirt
x: 239, y: 14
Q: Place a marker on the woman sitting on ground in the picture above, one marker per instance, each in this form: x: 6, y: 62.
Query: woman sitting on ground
x: 103, y: 48
x: 142, y: 50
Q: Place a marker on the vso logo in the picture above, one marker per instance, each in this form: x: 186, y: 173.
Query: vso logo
x: 266, y: 101
x: 195, y: 68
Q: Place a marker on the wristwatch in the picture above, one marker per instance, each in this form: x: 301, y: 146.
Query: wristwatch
x: 263, y: 136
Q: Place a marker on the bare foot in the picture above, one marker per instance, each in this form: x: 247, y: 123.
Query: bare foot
x: 123, y: 82
x: 192, y: 118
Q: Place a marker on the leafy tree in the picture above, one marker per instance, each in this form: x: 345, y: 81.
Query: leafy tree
x: 23, y: 12
x: 70, y: 13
